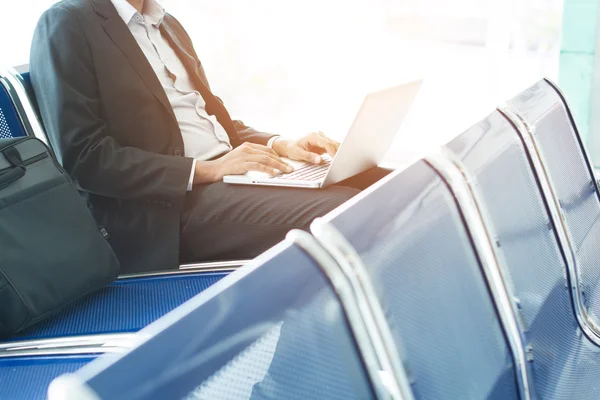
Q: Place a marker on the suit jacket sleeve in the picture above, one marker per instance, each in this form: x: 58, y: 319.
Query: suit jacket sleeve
x: 62, y: 73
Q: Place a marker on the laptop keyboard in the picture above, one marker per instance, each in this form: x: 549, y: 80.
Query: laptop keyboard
x: 309, y: 172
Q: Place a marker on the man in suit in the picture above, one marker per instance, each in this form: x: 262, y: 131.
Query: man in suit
x: 128, y: 108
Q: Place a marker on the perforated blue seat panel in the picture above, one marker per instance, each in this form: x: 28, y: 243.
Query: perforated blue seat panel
x: 10, y: 124
x: 565, y: 364
x: 124, y: 306
x: 412, y: 239
x: 28, y: 378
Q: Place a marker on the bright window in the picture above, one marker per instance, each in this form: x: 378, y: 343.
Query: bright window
x: 291, y: 67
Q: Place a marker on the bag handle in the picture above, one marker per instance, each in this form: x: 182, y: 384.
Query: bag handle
x: 17, y: 172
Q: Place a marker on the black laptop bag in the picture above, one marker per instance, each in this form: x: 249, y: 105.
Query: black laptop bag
x: 52, y: 252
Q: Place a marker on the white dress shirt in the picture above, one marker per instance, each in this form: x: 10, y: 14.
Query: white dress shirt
x: 203, y: 136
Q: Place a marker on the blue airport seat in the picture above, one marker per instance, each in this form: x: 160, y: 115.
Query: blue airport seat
x: 221, y: 343
x: 411, y: 238
x: 10, y: 124
x: 127, y: 305
x: 573, y: 181
x: 565, y: 363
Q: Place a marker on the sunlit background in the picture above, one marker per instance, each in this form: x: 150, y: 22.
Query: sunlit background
x: 291, y: 67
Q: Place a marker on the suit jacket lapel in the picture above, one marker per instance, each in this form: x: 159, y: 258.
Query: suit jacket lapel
x: 122, y: 37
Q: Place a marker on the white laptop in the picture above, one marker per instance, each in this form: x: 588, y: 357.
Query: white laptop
x: 364, y: 147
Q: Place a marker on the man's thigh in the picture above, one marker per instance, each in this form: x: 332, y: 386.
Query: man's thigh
x: 225, y: 221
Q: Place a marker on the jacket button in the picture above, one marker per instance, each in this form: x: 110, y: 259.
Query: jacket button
x: 177, y: 152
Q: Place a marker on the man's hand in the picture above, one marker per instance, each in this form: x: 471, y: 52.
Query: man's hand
x: 309, y: 148
x: 247, y: 157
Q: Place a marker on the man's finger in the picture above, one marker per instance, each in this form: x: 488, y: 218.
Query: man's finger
x: 271, y: 154
x: 303, y: 155
x: 260, y: 147
x: 260, y: 151
x: 271, y: 162
x: 324, y: 143
x: 335, y: 144
x: 256, y: 166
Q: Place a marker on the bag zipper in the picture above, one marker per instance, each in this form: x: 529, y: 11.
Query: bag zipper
x: 35, y: 159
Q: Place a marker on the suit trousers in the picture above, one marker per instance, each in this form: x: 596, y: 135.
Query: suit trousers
x: 229, y: 222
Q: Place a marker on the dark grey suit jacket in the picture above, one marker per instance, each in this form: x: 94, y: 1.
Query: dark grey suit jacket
x: 113, y: 128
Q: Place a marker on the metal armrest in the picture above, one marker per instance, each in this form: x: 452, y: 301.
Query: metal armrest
x: 215, y: 266
x: 71, y: 345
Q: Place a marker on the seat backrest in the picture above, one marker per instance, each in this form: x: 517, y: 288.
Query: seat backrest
x: 573, y: 184
x: 500, y: 171
x: 10, y: 123
x: 20, y: 106
x: 273, y: 329
x: 26, y: 81
x: 410, y: 235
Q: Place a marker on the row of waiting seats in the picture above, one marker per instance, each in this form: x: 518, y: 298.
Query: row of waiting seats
x: 469, y: 275
x: 472, y: 274
x: 103, y: 322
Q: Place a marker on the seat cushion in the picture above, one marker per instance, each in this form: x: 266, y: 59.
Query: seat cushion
x: 126, y: 305
x: 28, y: 378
